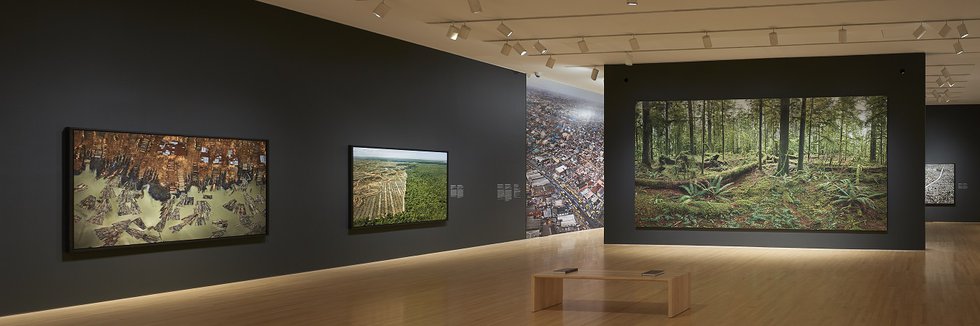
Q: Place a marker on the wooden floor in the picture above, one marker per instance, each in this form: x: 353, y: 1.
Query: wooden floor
x: 491, y: 285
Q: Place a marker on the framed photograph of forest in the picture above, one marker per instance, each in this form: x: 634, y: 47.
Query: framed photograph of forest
x: 137, y: 189
x: 397, y: 187
x: 807, y: 164
x: 940, y: 184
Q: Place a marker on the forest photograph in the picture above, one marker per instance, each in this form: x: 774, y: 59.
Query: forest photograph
x: 812, y: 164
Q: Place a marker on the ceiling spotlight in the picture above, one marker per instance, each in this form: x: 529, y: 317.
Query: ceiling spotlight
x: 945, y: 30
x: 962, y: 30
x: 381, y: 10
x: 595, y: 73
x: 958, y: 47
x: 505, y: 50
x: 945, y: 72
x: 520, y: 48
x: 540, y: 47
x: 842, y: 35
x: 773, y: 38
x: 475, y: 6
x: 634, y: 44
x: 550, y: 63
x: 537, y: 74
x: 629, y: 59
x: 464, y: 32
x: 919, y: 31
x: 582, y: 46
x: 631, y: 2
x: 950, y: 82
x: 706, y: 39
x: 939, y: 82
x: 503, y: 29
x: 453, y: 32
x: 947, y: 99
x: 935, y: 94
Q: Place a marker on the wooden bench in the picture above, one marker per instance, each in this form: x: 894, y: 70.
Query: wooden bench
x: 548, y: 286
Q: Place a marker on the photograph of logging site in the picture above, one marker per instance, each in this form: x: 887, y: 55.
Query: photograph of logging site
x: 814, y: 164
x: 395, y: 186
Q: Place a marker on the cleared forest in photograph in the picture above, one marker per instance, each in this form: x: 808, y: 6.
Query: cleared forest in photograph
x: 770, y: 164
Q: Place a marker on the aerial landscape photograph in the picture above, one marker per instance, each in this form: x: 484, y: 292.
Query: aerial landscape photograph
x: 396, y: 186
x: 814, y: 164
x: 134, y: 188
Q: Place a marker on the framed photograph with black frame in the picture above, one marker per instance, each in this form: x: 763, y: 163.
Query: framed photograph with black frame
x: 940, y: 184
x: 128, y: 189
x: 392, y: 187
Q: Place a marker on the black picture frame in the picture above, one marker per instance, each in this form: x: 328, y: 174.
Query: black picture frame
x: 391, y: 226
x: 955, y: 185
x: 69, y: 202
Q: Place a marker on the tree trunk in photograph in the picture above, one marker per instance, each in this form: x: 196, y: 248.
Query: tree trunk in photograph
x: 799, y: 154
x: 647, y: 127
x: 783, y: 167
x: 809, y: 136
x: 666, y: 129
x: 690, y: 125
x: 760, y: 135
x: 840, y: 144
x: 711, y: 144
x: 703, y: 117
x: 722, y: 130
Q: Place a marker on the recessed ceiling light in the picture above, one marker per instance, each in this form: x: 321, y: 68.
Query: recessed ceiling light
x: 381, y: 10
x: 631, y: 2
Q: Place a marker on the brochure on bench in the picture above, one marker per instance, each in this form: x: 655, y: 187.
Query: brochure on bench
x: 653, y: 272
x: 567, y: 270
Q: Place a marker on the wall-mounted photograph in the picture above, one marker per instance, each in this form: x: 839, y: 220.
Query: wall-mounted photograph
x: 565, y: 168
x: 391, y: 187
x: 941, y: 184
x: 136, y: 189
x: 813, y: 164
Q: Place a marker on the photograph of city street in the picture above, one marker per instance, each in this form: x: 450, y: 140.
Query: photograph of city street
x: 395, y: 186
x: 133, y: 188
x: 565, y: 172
x: 769, y: 164
x: 940, y: 184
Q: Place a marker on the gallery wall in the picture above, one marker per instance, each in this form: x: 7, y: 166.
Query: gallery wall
x: 250, y: 70
x: 951, y: 135
x: 900, y: 77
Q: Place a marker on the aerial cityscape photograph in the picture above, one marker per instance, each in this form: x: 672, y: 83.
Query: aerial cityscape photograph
x: 133, y: 188
x: 565, y: 176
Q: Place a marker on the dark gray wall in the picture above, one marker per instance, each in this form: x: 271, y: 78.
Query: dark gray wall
x: 238, y: 69
x: 951, y: 137
x: 773, y: 78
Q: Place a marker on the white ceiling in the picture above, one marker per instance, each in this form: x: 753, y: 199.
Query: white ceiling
x: 410, y: 20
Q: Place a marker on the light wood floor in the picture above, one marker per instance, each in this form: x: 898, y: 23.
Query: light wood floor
x: 491, y: 285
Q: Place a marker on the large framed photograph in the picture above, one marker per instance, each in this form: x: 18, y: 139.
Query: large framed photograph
x: 398, y: 187
x: 940, y: 184
x: 795, y: 164
x: 135, y: 189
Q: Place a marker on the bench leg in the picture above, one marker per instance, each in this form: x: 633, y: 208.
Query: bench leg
x: 678, y: 295
x: 547, y: 292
